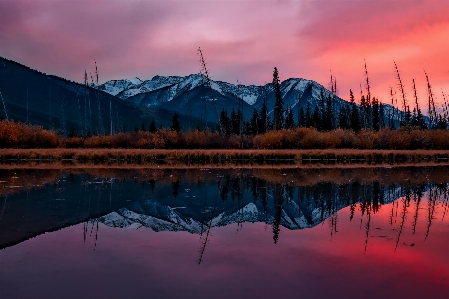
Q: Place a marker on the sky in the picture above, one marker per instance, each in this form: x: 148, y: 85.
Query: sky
x: 241, y: 40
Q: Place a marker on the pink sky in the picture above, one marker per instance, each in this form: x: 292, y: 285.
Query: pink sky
x: 240, y: 39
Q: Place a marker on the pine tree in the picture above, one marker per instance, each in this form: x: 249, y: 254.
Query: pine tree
x: 175, y: 124
x: 316, y: 119
x: 143, y: 129
x: 225, y: 122
x: 309, y: 122
x: 376, y: 115
x: 355, y: 118
x: 381, y: 116
x: 328, y: 119
x: 419, y: 122
x: 279, y: 103
x: 152, y: 128
x: 289, y: 120
x: 301, y: 118
x: 235, y: 126
x: 343, y: 118
x: 254, y: 122
x: 321, y: 111
x: 263, y: 118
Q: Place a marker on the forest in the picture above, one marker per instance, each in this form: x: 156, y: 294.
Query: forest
x: 368, y: 125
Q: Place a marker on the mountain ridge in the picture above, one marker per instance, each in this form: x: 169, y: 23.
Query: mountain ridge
x: 180, y: 94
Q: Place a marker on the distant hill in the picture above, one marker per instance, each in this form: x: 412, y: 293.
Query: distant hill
x: 56, y: 103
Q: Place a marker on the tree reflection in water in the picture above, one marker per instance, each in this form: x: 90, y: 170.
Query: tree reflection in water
x: 199, y: 200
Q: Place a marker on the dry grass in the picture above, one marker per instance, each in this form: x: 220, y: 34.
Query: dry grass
x: 223, y: 157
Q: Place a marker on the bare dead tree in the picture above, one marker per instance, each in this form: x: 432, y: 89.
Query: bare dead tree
x: 431, y: 104
x: 367, y: 82
x: 401, y: 87
x: 4, y: 107
x: 445, y: 107
x: 401, y: 227
x: 241, y: 112
x: 100, y: 129
x: 205, y: 72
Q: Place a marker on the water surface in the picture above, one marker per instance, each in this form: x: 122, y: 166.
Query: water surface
x: 216, y: 233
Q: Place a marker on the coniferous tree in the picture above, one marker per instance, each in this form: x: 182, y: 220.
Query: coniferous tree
x: 279, y: 103
x: 254, y: 122
x: 355, y: 118
x: 316, y: 119
x: 342, y: 118
x: 419, y: 119
x: 225, y: 122
x: 235, y: 124
x: 381, y: 116
x: 152, y: 128
x: 328, y: 119
x: 376, y: 115
x: 408, y: 116
x: 246, y: 127
x: 289, y: 120
x: 362, y: 112
x: 175, y: 124
x: 309, y: 122
x: 263, y: 118
x: 301, y: 118
x: 319, y: 122
x: 143, y: 129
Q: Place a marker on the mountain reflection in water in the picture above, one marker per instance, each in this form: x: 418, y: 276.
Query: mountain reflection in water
x: 366, y: 212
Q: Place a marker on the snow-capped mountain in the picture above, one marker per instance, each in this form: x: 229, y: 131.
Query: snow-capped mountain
x: 189, y: 95
x: 164, y: 217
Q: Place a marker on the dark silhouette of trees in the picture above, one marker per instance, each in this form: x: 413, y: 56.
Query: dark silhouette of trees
x: 225, y: 122
x: 289, y: 119
x: 152, y: 128
x: 279, y: 103
x: 264, y: 119
x: 376, y: 115
x: 175, y: 124
x: 355, y: 117
x: 255, y: 122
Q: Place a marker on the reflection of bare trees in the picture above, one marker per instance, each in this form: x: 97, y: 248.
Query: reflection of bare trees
x: 405, y: 201
x: 417, y: 196
x: 205, y: 235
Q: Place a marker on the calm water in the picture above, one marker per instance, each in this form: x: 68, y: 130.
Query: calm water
x: 217, y: 233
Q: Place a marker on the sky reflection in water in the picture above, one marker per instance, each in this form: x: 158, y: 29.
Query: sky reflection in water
x: 384, y: 251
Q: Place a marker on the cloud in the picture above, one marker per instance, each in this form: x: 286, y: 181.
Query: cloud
x: 240, y: 39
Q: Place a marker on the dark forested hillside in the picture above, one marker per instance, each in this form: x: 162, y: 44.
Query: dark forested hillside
x: 69, y: 107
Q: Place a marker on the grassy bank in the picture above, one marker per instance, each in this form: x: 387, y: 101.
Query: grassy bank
x: 222, y: 157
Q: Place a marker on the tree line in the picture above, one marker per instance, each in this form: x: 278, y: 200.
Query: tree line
x: 330, y: 113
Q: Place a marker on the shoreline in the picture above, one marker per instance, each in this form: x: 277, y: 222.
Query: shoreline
x: 220, y: 158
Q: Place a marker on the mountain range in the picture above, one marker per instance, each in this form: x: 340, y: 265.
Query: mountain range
x: 191, y: 95
x: 122, y: 105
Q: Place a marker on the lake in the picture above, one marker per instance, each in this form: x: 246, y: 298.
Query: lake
x: 366, y: 232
